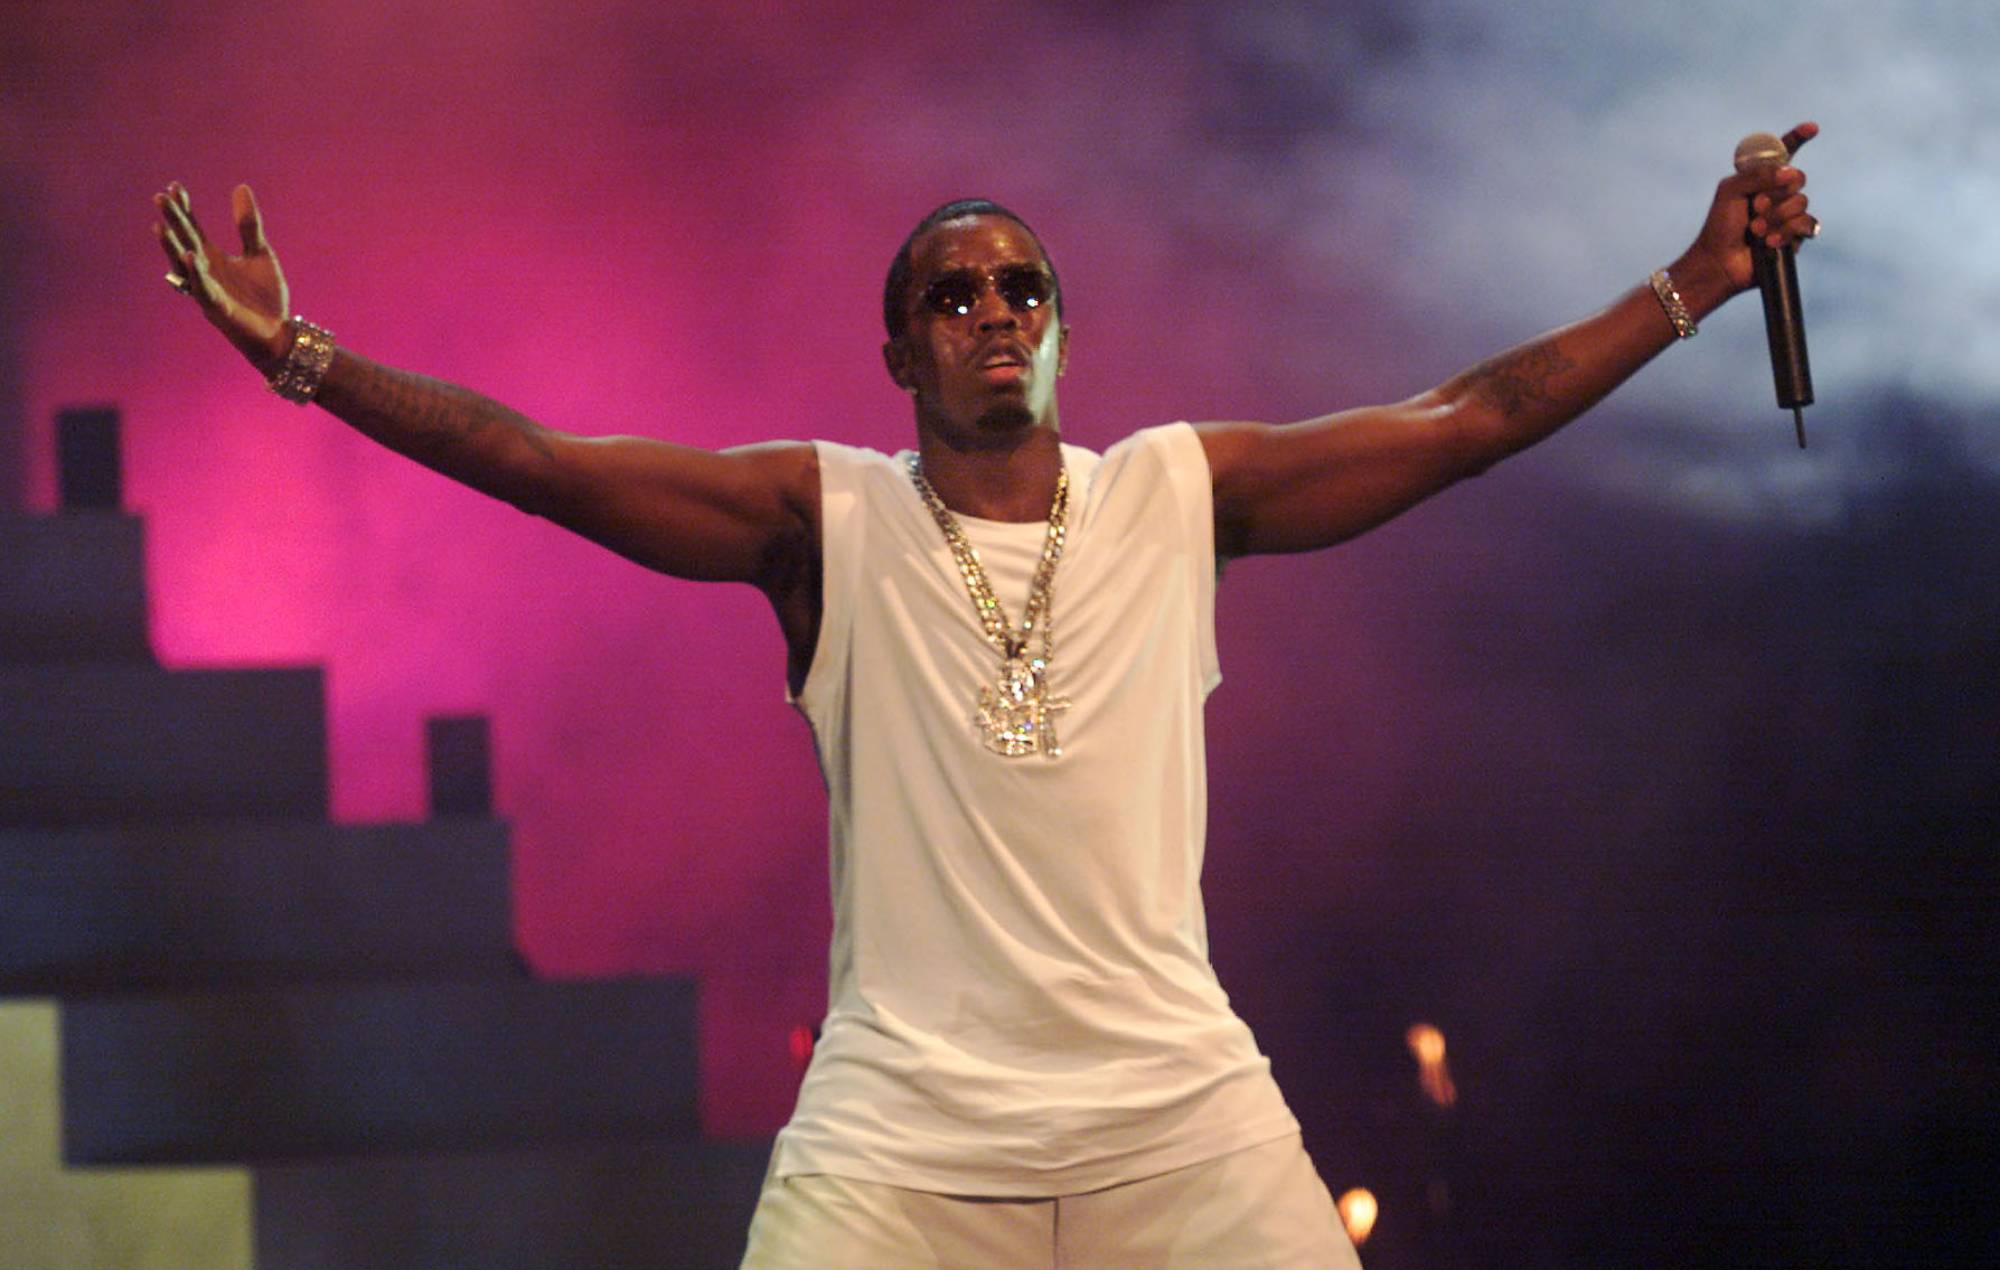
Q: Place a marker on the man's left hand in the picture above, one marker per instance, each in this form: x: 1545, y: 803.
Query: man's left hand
x: 1767, y: 205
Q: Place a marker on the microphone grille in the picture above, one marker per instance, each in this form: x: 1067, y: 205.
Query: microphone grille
x: 1760, y: 150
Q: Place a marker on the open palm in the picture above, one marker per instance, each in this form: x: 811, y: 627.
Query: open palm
x: 243, y: 295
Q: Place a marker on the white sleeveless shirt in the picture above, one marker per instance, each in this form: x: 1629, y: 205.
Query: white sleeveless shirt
x: 1020, y: 998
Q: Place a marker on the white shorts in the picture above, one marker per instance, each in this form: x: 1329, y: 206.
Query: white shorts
x: 1262, y: 1208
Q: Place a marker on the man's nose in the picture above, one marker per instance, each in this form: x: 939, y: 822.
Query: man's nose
x: 991, y: 312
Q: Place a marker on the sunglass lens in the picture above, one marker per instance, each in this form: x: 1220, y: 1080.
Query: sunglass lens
x: 1025, y: 288
x: 951, y: 296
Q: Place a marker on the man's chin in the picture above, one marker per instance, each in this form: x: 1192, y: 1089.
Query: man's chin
x: 1006, y: 416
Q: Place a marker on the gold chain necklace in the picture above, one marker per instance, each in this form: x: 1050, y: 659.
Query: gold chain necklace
x: 1016, y: 714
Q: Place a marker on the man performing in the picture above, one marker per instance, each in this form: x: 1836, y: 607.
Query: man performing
x: 1002, y: 644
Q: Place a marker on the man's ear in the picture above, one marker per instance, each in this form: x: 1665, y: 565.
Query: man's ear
x: 1062, y: 350
x: 896, y: 356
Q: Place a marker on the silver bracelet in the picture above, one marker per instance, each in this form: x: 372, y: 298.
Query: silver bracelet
x: 1670, y: 300
x: 298, y: 377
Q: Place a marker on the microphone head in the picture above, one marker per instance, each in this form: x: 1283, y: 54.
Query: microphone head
x: 1760, y: 150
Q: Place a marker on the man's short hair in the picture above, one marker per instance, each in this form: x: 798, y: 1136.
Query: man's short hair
x: 895, y: 289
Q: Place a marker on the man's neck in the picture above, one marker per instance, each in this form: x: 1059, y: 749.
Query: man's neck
x: 1011, y: 481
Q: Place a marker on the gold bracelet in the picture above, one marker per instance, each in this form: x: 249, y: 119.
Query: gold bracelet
x: 1670, y: 300
x: 298, y: 377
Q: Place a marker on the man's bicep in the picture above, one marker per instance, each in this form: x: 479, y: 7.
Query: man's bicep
x: 714, y: 516
x: 1303, y: 486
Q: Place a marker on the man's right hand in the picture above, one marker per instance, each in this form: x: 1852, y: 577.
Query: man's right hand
x: 243, y: 296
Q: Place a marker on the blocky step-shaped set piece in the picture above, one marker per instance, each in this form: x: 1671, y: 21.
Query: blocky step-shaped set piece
x: 250, y: 903
x: 339, y: 1007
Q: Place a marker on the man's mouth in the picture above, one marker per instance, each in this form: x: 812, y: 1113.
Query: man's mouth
x: 1004, y: 355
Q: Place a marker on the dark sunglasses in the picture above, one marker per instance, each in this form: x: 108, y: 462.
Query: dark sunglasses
x: 1023, y: 288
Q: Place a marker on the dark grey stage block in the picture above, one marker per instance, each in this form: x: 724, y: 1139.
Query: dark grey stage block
x: 92, y: 744
x: 373, y: 1068
x: 684, y: 1205
x: 245, y: 903
x: 72, y: 588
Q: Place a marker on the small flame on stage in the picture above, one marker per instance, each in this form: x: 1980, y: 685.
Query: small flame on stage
x: 1358, y: 1211
x: 1427, y: 1044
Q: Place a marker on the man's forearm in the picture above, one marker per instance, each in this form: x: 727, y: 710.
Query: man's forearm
x: 1513, y: 400
x: 452, y: 430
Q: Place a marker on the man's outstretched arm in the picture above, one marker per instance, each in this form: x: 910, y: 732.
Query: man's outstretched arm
x: 1298, y: 487
x: 714, y: 516
x: 746, y: 515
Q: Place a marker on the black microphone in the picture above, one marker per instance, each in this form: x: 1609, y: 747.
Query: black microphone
x: 1777, y: 275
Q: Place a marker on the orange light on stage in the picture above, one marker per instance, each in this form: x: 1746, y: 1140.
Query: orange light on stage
x: 1358, y: 1211
x: 1427, y: 1044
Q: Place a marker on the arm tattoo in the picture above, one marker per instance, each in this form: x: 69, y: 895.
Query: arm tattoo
x: 428, y: 416
x: 450, y: 429
x: 1517, y: 382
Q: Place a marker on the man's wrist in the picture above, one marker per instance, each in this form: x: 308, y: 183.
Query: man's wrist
x: 1702, y: 283
x: 265, y: 351
x: 308, y: 355
x: 1671, y: 304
